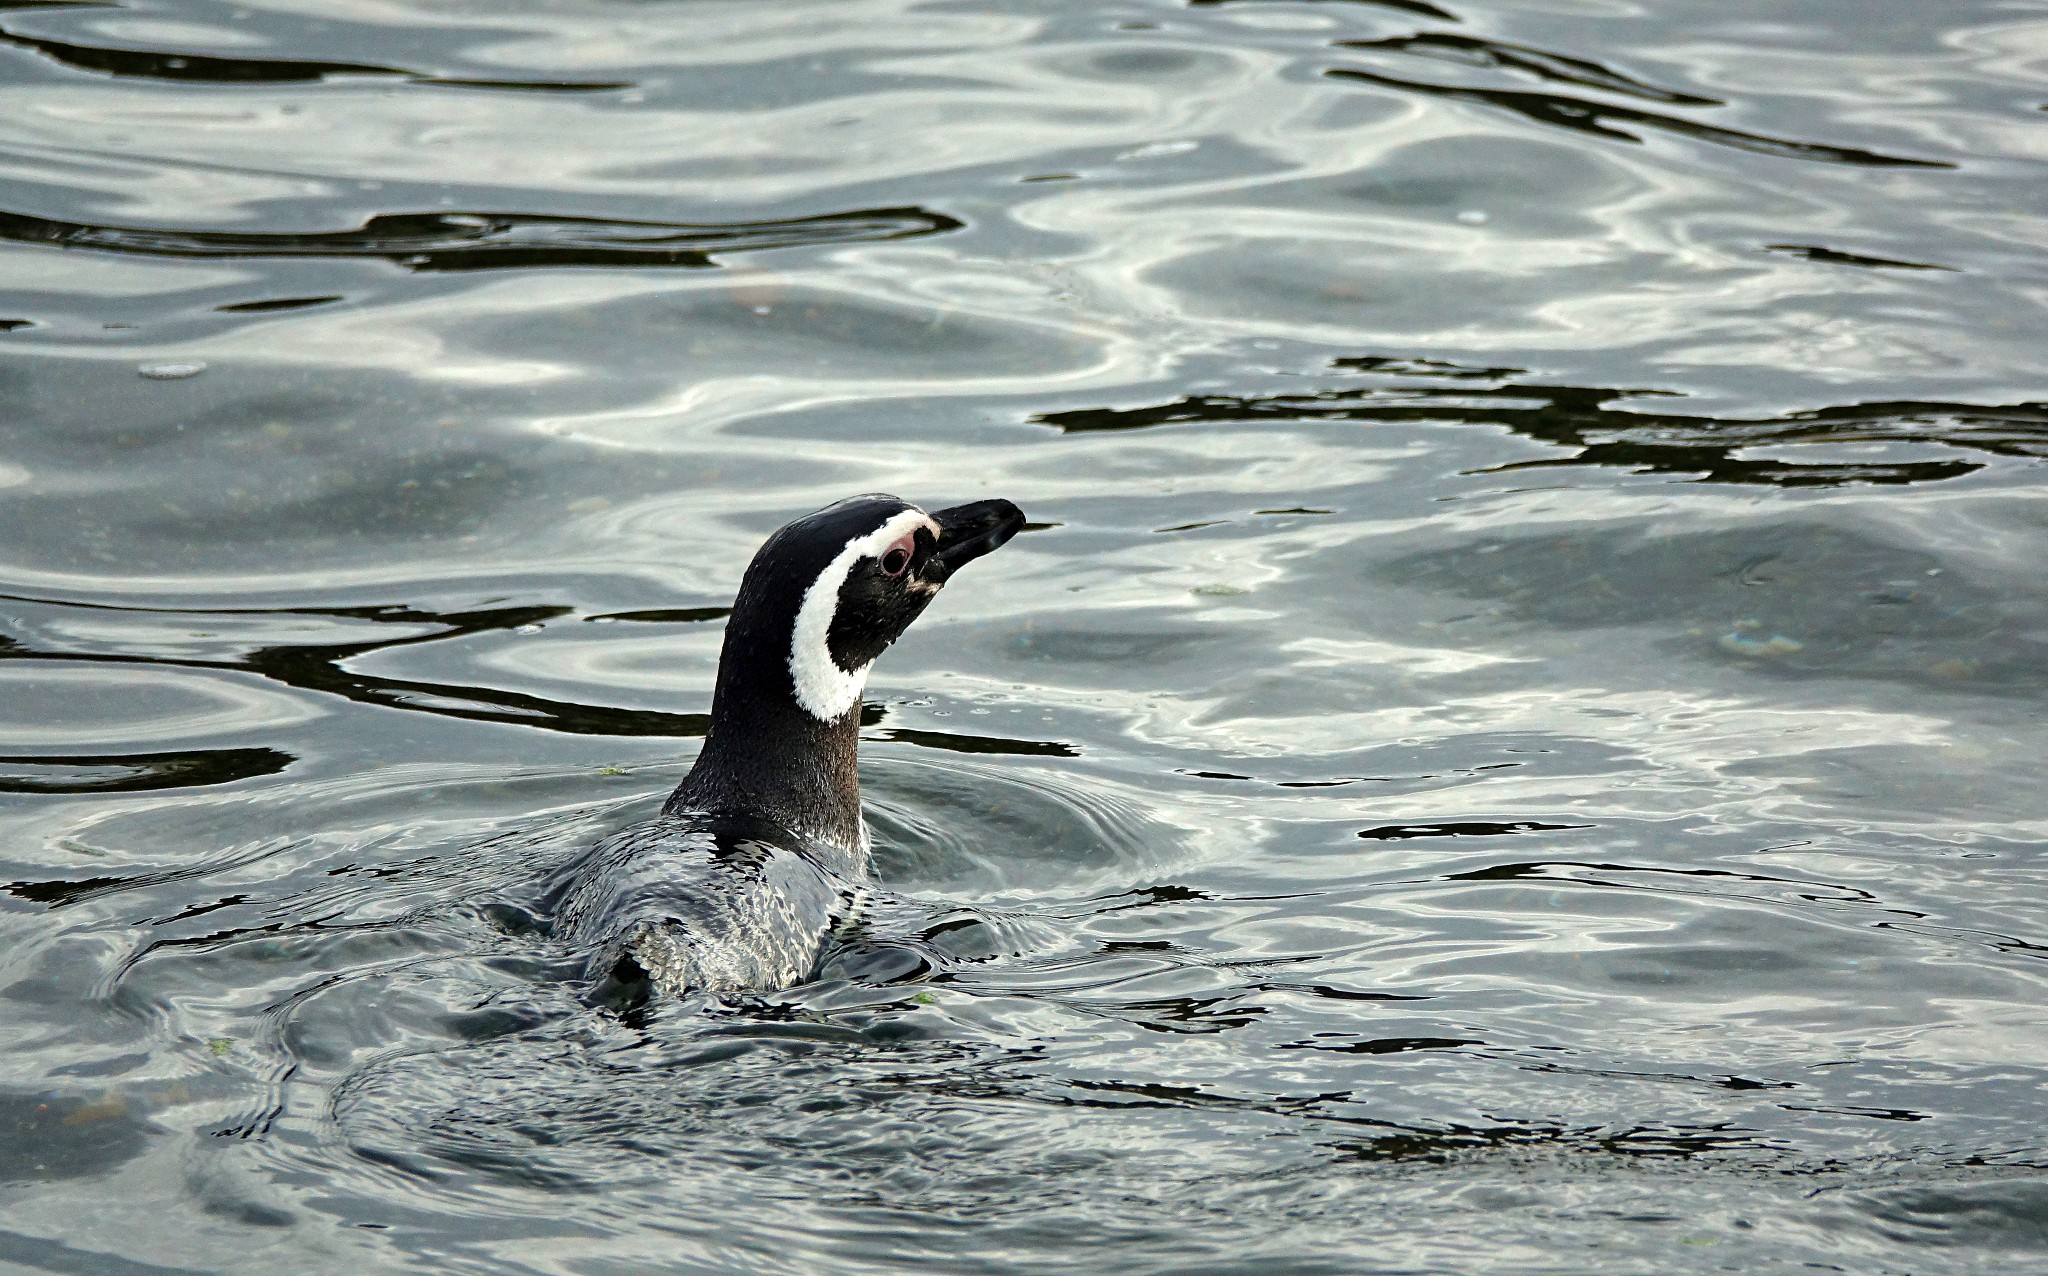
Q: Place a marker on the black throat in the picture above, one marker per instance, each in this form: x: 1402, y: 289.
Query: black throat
x: 765, y: 756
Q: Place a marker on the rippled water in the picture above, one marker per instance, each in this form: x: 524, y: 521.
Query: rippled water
x: 1514, y: 744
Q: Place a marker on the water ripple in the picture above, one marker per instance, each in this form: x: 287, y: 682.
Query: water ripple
x: 180, y: 66
x: 491, y: 241
x: 1603, y: 119
x: 1580, y: 418
x: 135, y: 772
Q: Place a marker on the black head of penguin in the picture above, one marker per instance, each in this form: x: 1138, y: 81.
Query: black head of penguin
x: 823, y: 597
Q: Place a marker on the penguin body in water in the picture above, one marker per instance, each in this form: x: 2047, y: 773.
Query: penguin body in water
x: 733, y: 887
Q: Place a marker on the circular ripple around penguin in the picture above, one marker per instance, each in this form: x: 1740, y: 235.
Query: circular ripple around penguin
x: 963, y: 828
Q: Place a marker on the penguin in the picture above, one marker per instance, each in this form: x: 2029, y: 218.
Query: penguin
x: 733, y: 887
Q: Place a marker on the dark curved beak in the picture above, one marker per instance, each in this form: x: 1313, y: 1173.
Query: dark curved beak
x: 966, y: 532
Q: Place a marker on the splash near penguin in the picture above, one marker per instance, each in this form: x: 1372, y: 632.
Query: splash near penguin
x: 733, y: 887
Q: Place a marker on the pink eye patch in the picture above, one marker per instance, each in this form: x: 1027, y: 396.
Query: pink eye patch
x: 897, y: 557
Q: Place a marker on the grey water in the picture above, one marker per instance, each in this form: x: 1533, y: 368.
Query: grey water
x: 1512, y: 744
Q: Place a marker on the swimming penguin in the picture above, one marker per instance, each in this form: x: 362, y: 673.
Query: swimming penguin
x: 733, y: 887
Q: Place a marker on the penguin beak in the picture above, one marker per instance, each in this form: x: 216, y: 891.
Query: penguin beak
x: 966, y: 532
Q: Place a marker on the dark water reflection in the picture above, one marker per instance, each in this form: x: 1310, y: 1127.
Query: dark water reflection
x: 486, y: 241
x: 1716, y: 450
x: 1513, y: 746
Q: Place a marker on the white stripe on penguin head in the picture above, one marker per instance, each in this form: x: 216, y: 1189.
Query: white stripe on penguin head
x: 824, y: 689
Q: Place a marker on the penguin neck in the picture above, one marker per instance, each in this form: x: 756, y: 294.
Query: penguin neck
x: 767, y: 758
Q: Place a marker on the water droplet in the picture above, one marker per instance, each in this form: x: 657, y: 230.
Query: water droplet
x: 171, y: 371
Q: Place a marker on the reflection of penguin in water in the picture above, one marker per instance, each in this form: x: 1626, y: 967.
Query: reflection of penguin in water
x: 734, y: 885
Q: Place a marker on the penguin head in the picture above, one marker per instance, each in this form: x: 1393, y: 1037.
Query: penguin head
x: 833, y: 589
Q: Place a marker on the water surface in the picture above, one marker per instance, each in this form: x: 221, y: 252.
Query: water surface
x: 1513, y: 747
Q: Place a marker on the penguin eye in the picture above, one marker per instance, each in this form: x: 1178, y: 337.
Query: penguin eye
x: 897, y: 557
